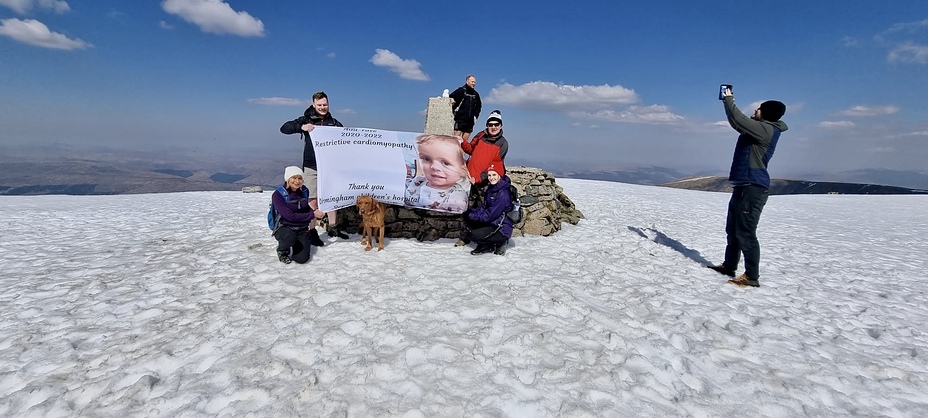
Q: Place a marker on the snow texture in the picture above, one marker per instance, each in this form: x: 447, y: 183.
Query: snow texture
x: 176, y: 305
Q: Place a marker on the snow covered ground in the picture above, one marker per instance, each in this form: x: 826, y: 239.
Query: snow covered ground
x: 176, y: 305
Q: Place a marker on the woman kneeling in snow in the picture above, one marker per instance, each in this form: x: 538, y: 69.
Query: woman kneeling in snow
x: 292, y: 233
x: 489, y: 225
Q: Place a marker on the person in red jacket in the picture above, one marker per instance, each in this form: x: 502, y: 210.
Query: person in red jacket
x: 489, y: 147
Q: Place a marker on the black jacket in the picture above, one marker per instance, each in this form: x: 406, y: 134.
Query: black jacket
x: 295, y: 126
x: 466, y: 105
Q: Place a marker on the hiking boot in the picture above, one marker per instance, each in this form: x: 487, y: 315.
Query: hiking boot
x: 314, y: 238
x: 499, y: 249
x: 461, y: 242
x: 721, y: 269
x: 335, y: 232
x: 744, y: 281
x: 283, y: 257
x: 482, y: 249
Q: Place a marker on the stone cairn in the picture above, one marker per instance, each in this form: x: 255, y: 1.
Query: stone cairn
x: 544, y: 202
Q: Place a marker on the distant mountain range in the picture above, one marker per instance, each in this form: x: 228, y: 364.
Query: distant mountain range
x: 95, y: 177
x: 662, y: 176
x: 908, y: 179
x: 650, y: 175
x: 784, y: 187
x: 105, y: 174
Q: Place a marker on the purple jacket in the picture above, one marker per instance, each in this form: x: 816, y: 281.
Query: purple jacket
x: 297, y: 213
x: 498, y: 202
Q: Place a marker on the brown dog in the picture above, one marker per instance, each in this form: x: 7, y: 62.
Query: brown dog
x: 372, y: 213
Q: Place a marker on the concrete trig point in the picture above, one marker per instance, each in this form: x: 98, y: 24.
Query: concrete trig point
x: 438, y: 117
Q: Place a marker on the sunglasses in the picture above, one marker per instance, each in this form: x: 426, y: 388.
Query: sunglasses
x: 493, y: 124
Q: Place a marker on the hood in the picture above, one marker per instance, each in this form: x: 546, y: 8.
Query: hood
x: 779, y: 125
x: 313, y: 116
x: 491, y: 139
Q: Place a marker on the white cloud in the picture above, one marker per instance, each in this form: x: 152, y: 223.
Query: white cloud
x: 841, y: 124
x: 117, y: 16
x: 215, y: 16
x: 330, y: 55
x: 26, y: 6
x: 881, y: 150
x: 408, y: 69
x: 280, y: 101
x: 916, y: 133
x: 909, y: 53
x: 33, y: 32
x: 904, y: 49
x: 869, y: 111
x: 907, y: 28
x: 165, y: 25
x: 346, y: 111
x: 654, y: 114
x: 850, y: 42
x: 544, y: 95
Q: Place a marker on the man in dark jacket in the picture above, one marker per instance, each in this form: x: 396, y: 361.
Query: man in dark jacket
x: 465, y: 101
x: 317, y: 114
x: 751, y: 184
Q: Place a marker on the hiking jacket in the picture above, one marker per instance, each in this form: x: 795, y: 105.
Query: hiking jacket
x: 466, y: 105
x: 498, y: 201
x: 485, y: 151
x: 755, y: 146
x: 295, y: 126
x: 295, y: 214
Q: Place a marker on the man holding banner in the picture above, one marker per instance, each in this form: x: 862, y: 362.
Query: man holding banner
x: 316, y: 115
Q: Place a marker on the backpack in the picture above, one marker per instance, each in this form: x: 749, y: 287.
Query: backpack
x: 273, y: 217
x: 516, y: 213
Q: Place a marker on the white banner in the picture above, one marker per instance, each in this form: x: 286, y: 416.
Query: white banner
x: 397, y: 168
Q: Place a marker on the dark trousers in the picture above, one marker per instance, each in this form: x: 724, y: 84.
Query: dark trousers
x: 744, y: 209
x: 487, y: 235
x: 295, y: 239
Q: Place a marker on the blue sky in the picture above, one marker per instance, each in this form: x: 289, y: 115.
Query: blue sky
x: 598, y: 84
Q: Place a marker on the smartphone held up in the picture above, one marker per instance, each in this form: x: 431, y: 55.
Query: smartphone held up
x: 722, y: 89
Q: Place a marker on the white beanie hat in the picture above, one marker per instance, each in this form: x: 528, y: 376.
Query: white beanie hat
x: 495, y: 115
x: 292, y: 171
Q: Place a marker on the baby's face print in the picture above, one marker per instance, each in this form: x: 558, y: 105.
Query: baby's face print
x: 443, y: 164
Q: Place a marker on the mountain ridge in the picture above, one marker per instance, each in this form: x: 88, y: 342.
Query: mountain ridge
x: 108, y: 174
x: 791, y: 187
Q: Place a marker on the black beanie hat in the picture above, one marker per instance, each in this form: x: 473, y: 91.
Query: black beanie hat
x: 772, y: 110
